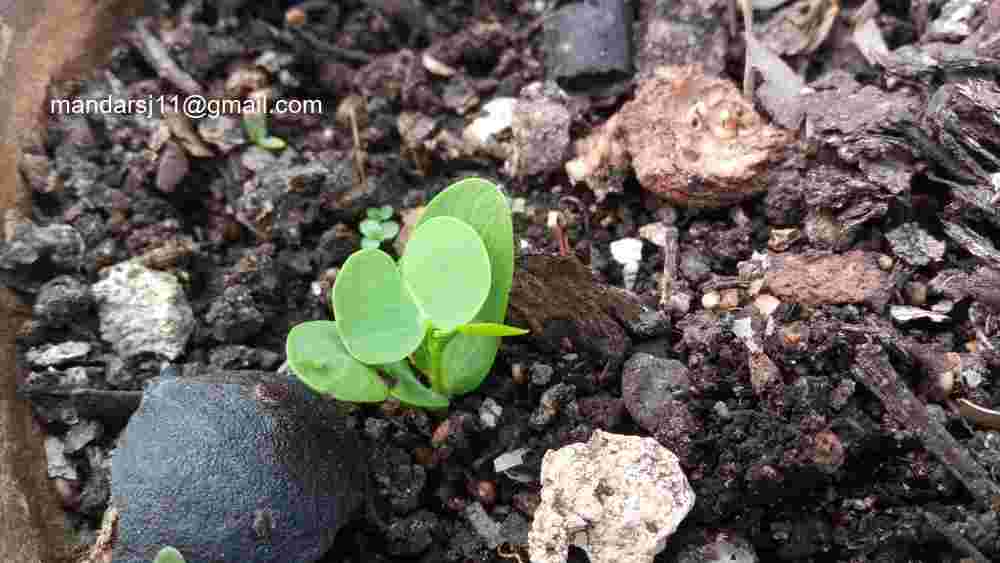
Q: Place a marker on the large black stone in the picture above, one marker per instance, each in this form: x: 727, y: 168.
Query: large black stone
x: 234, y: 467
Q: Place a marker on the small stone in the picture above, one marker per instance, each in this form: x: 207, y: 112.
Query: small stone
x: 905, y: 314
x: 234, y: 317
x: 412, y: 535
x: 541, y: 374
x: 435, y: 66
x: 824, y: 279
x: 143, y: 310
x: 619, y: 498
x: 766, y: 304
x: 551, y: 403
x: 509, y: 460
x: 58, y: 465
x: 540, y: 137
x: 914, y: 245
x: 656, y: 233
x: 886, y: 262
x: 489, y: 413
x: 729, y: 299
x: 30, y: 254
x: 649, y: 383
x: 680, y: 303
x: 781, y: 239
x: 719, y: 547
x: 52, y: 355
x: 61, y: 301
x: 82, y: 434
x: 487, y: 528
x: 484, y: 133
x: 916, y: 293
x: 711, y: 300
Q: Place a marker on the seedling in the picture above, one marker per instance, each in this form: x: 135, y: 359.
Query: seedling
x: 378, y: 227
x: 169, y: 555
x: 255, y: 124
x: 438, y: 311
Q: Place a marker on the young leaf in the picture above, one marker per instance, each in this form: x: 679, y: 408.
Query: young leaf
x: 467, y: 359
x: 409, y: 390
x: 466, y: 362
x: 272, y: 143
x: 255, y: 124
x: 389, y: 230
x: 370, y: 243
x: 447, y: 270
x: 318, y: 357
x: 168, y: 555
x: 372, y: 228
x: 491, y: 329
x: 373, y: 213
x: 480, y: 204
x: 377, y: 317
x: 385, y: 212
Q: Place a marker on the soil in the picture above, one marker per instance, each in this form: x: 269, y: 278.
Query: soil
x: 806, y: 443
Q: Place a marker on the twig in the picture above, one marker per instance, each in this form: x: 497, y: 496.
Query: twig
x: 872, y: 368
x: 357, y: 153
x: 747, y: 7
x: 328, y: 48
x: 669, y: 219
x: 157, y: 56
x: 955, y: 538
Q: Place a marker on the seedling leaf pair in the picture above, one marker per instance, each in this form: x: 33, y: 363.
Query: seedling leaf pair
x: 440, y: 307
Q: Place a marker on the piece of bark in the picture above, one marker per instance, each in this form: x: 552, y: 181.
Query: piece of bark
x: 872, y: 368
x: 557, y: 297
x: 820, y: 279
x: 159, y: 58
x: 976, y: 244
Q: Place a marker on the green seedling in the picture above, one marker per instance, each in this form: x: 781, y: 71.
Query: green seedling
x: 255, y: 124
x: 437, y: 312
x: 169, y: 555
x: 378, y: 227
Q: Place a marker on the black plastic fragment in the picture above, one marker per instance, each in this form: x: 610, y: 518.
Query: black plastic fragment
x: 588, y: 45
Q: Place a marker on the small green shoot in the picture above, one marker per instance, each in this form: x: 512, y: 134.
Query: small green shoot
x: 169, y: 555
x: 255, y: 124
x: 437, y: 312
x: 378, y: 227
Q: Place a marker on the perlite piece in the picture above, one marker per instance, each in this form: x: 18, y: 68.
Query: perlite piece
x: 616, y: 497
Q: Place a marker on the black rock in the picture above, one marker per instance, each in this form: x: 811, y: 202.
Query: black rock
x: 588, y: 45
x: 234, y: 467
x: 234, y: 316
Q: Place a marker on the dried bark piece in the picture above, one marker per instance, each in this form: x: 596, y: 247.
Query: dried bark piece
x: 694, y: 139
x: 818, y: 279
x: 877, y: 374
x: 800, y: 27
x: 977, y: 245
x: 557, y: 297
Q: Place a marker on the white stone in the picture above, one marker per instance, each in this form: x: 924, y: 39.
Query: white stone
x: 616, y: 497
x: 58, y: 354
x: 143, y: 310
x: 58, y: 465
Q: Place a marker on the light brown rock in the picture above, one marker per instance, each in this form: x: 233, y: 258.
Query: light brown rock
x: 616, y: 497
x: 824, y: 279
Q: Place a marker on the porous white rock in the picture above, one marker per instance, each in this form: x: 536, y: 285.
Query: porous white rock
x: 616, y: 497
x: 143, y: 310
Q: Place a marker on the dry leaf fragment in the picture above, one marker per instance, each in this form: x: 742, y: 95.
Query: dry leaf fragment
x: 801, y: 27
x: 182, y: 130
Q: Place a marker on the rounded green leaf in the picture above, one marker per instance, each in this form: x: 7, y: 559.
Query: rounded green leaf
x: 377, y: 317
x: 447, y: 270
x: 318, y: 357
x: 169, y: 555
x: 466, y: 362
x: 370, y: 243
x: 389, y: 230
x: 372, y: 228
x: 482, y: 205
x: 385, y: 212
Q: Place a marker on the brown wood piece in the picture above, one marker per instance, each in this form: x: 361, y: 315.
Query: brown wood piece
x: 40, y: 43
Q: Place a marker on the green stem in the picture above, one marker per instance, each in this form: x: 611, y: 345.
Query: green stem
x: 436, y: 342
